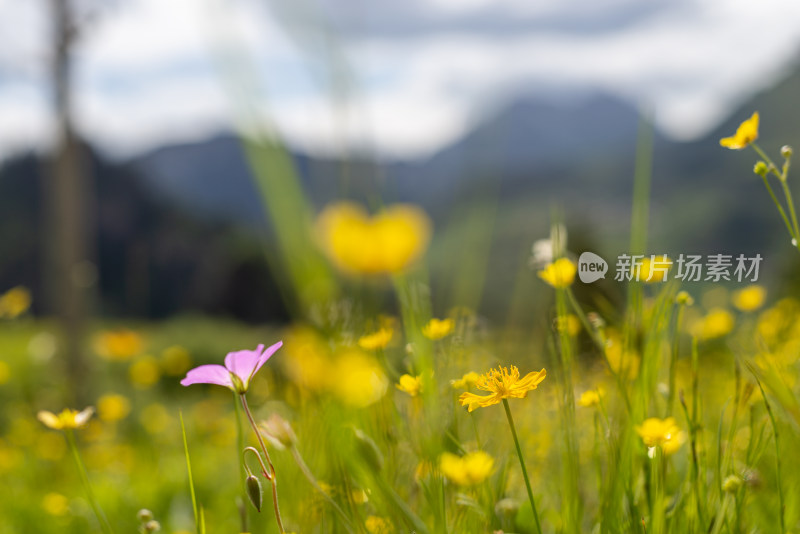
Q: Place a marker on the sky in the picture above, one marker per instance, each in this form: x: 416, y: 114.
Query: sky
x: 400, y: 80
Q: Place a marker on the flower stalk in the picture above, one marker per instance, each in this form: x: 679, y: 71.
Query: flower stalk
x: 522, y: 466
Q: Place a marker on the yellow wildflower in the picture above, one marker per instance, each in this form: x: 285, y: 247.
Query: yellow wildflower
x: 745, y: 134
x: 113, y: 407
x: 503, y: 384
x: 307, y: 358
x: 569, y: 324
x: 438, y: 328
x: 378, y: 525
x: 559, y: 274
x: 717, y: 323
x: 66, y: 420
x: 621, y: 361
x: 750, y: 298
x: 468, y: 470
x: 590, y: 397
x: 55, y: 504
x: 652, y: 269
x: 118, y: 345
x: 664, y: 433
x: 410, y: 384
x: 387, y: 242
x: 376, y: 340
x: 14, y: 302
x: 466, y: 381
x: 357, y: 379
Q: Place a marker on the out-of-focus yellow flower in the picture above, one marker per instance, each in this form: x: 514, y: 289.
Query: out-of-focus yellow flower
x: 590, y: 397
x: 387, y: 242
x: 5, y: 372
x: 502, y: 384
x: 155, y: 418
x: 569, y: 324
x: 55, y: 504
x: 684, y: 298
x: 653, y: 268
x: 14, y: 302
x: 745, y: 134
x: 378, y: 525
x: 175, y: 360
x: 410, y: 384
x: 67, y: 419
x: 113, y: 407
x: 468, y: 470
x: 438, y: 328
x: 750, y: 298
x: 716, y: 323
x: 144, y: 372
x: 357, y: 379
x: 622, y: 362
x: 118, y: 345
x: 664, y: 433
x: 307, y: 358
x: 559, y: 274
x: 376, y: 340
x: 50, y: 446
x: 466, y: 381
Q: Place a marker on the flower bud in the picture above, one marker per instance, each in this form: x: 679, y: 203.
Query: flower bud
x: 368, y: 450
x: 279, y: 432
x: 595, y: 320
x: 684, y: 298
x: 145, y: 515
x: 151, y: 526
x: 761, y: 168
x: 731, y: 484
x: 254, y: 491
x: 786, y: 151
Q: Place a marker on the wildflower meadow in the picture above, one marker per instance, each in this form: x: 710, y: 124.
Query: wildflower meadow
x: 670, y: 410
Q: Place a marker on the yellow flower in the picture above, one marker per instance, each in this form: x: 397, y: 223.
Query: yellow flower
x: 307, y: 358
x: 569, y: 323
x: 410, y: 384
x: 590, y: 397
x: 653, y: 269
x: 438, y: 328
x: 717, y: 323
x: 357, y: 379
x: 466, y: 381
x: 559, y: 274
x: 750, y: 298
x: 118, y: 345
x: 67, y: 419
x: 503, y: 385
x: 113, y: 407
x: 387, y: 242
x: 468, y: 470
x: 376, y: 340
x: 622, y: 362
x: 14, y: 302
x: 745, y: 134
x: 664, y: 433
x: 55, y: 504
x: 144, y: 372
x: 378, y: 525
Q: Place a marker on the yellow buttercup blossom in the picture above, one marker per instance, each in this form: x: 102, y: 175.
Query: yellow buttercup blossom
x: 438, y: 328
x: 66, y: 420
x: 653, y: 268
x: 502, y: 384
x: 55, y: 504
x: 466, y: 381
x: 569, y: 324
x: 468, y: 470
x: 113, y: 407
x: 118, y: 345
x: 664, y: 433
x: 590, y: 397
x: 387, y: 242
x: 745, y: 134
x: 559, y: 274
x: 750, y: 298
x: 14, y: 302
x: 717, y: 323
x: 357, y: 379
x: 621, y: 361
x: 378, y: 525
x: 376, y: 340
x: 410, y: 384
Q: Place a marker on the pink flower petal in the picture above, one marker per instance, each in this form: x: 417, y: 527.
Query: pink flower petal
x: 243, y: 363
x: 267, y: 354
x: 208, y: 374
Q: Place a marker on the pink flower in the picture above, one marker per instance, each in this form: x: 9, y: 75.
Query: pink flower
x: 238, y: 370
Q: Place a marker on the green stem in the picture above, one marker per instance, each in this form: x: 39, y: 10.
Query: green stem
x: 777, y: 455
x: 191, y: 479
x: 101, y: 517
x: 273, y: 480
x: 793, y: 230
x: 792, y: 213
x: 313, y: 481
x: 522, y: 465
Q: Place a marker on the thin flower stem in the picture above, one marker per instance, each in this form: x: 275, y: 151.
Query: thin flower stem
x: 794, y: 229
x: 101, y: 517
x: 269, y: 463
x: 777, y: 454
x: 792, y: 213
x: 522, y: 465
